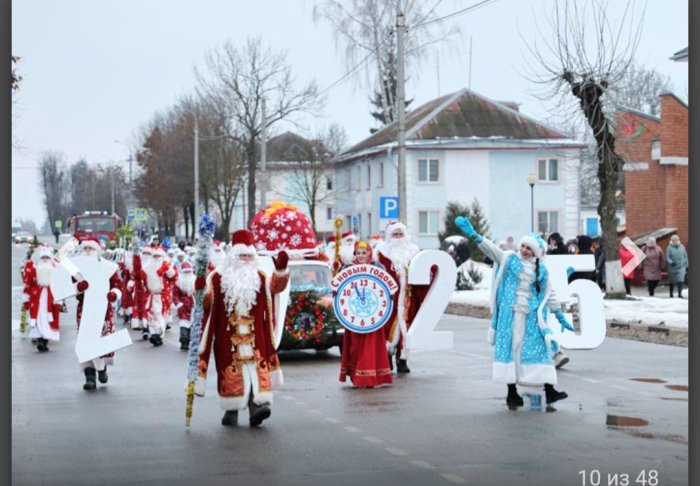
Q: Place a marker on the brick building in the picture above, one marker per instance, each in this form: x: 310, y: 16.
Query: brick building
x: 655, y: 150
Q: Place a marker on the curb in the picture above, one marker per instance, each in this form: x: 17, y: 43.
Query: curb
x: 633, y: 330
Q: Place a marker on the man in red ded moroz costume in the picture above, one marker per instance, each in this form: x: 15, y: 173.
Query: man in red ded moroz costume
x: 90, y: 247
x: 158, y: 272
x: 395, y: 254
x: 364, y: 358
x: 43, y: 311
x: 347, y: 247
x: 139, y: 288
x: 238, y: 323
x: 183, y: 297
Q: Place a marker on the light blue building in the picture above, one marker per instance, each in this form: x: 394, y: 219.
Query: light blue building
x: 459, y: 147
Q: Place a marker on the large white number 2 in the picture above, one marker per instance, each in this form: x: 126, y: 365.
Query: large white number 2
x: 280, y: 301
x: 590, y: 300
x: 90, y: 344
x: 422, y: 334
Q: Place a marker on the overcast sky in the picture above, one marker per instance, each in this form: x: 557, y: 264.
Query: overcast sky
x: 94, y: 71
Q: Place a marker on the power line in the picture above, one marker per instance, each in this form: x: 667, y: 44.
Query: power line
x: 458, y: 12
x: 347, y: 74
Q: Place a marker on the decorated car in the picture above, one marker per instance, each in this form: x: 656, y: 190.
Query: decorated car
x: 310, y: 322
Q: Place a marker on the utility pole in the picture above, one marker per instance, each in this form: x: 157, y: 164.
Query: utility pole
x: 111, y: 172
x: 263, y: 158
x: 401, y: 115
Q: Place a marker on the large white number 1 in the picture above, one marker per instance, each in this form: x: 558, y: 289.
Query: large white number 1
x: 90, y: 344
x: 590, y: 299
x: 422, y: 334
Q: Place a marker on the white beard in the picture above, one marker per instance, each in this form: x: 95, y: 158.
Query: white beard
x: 241, y: 283
x: 154, y: 282
x: 347, y: 253
x: 185, y: 282
x: 400, y: 253
x: 43, y: 273
x: 129, y: 263
x: 145, y: 261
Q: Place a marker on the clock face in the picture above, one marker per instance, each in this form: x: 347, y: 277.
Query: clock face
x: 363, y: 303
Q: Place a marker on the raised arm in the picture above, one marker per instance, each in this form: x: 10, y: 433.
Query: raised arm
x: 488, y: 247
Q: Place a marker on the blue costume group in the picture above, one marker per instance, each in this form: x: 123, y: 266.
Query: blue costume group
x: 521, y: 298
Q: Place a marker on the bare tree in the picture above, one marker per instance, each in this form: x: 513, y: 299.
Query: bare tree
x: 640, y: 88
x: 586, y: 55
x: 53, y: 180
x: 16, y: 78
x: 238, y: 80
x: 365, y: 34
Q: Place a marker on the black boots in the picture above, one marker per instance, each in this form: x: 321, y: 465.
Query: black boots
x: 391, y: 361
x: 258, y: 413
x: 553, y: 395
x: 156, y: 340
x: 230, y: 418
x: 90, y: 383
x: 42, y: 345
x: 513, y: 399
x: 184, y: 338
x: 102, y: 375
x: 401, y: 365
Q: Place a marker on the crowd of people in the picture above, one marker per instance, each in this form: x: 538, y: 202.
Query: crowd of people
x: 152, y: 284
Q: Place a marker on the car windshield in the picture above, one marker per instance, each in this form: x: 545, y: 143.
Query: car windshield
x: 310, y: 277
x: 96, y: 224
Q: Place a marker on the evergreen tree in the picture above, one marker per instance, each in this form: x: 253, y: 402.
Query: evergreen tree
x: 475, y: 214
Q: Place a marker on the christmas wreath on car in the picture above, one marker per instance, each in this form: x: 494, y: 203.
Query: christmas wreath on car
x: 306, y: 318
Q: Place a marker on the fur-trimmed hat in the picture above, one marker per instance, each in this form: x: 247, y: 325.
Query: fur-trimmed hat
x: 243, y: 242
x: 159, y: 251
x: 42, y: 251
x: 535, y: 243
x: 348, y: 237
x: 393, y: 226
x: 90, y: 242
x: 186, y: 267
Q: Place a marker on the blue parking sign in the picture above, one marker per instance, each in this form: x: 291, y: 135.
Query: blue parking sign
x: 130, y: 214
x: 389, y: 207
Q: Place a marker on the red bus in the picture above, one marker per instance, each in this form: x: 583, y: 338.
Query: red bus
x: 100, y: 224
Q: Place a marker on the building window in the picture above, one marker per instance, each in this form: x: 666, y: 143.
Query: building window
x: 428, y: 222
x: 548, y: 170
x: 358, y: 172
x: 369, y: 175
x: 381, y: 174
x: 329, y: 183
x: 428, y: 170
x: 547, y: 222
x: 369, y: 225
x: 329, y: 213
x: 348, y: 176
x: 655, y: 149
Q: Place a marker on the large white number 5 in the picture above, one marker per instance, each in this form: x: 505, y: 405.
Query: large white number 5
x: 422, y: 334
x: 590, y: 299
x: 90, y: 344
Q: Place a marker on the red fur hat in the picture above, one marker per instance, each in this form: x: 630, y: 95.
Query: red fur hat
x: 242, y: 241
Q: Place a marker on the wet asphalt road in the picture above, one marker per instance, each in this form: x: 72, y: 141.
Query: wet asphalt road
x: 444, y: 423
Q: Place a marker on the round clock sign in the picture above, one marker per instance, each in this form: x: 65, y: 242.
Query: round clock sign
x: 362, y: 300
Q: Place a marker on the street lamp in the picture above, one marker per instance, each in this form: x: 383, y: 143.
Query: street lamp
x: 196, y: 164
x: 532, y: 180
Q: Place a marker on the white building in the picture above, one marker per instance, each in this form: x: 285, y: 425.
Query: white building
x: 459, y: 147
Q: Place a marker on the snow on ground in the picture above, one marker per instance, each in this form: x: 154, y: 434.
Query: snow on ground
x: 673, y: 312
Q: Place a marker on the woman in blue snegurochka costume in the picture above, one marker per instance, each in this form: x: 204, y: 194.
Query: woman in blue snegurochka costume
x: 520, y: 299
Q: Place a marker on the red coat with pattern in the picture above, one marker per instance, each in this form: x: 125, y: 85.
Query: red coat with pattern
x: 169, y: 275
x: 28, y: 275
x: 34, y: 290
x: 140, y: 290
x: 125, y: 277
x: 184, y: 311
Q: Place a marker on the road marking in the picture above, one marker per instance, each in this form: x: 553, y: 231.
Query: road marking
x: 396, y: 451
x: 422, y: 463
x: 453, y: 477
x: 590, y: 380
x: 373, y: 439
x: 287, y: 397
x: 333, y: 420
x: 619, y: 387
x: 352, y: 429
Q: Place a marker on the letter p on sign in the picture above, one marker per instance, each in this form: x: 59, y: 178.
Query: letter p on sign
x: 389, y: 207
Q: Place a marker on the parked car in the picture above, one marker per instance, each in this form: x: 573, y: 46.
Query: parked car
x: 22, y: 237
x: 310, y: 322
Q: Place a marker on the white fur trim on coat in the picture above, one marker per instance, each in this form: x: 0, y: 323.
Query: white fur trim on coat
x: 491, y: 336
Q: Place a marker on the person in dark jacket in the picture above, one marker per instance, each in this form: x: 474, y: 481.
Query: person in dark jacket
x: 585, y: 247
x: 556, y: 245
